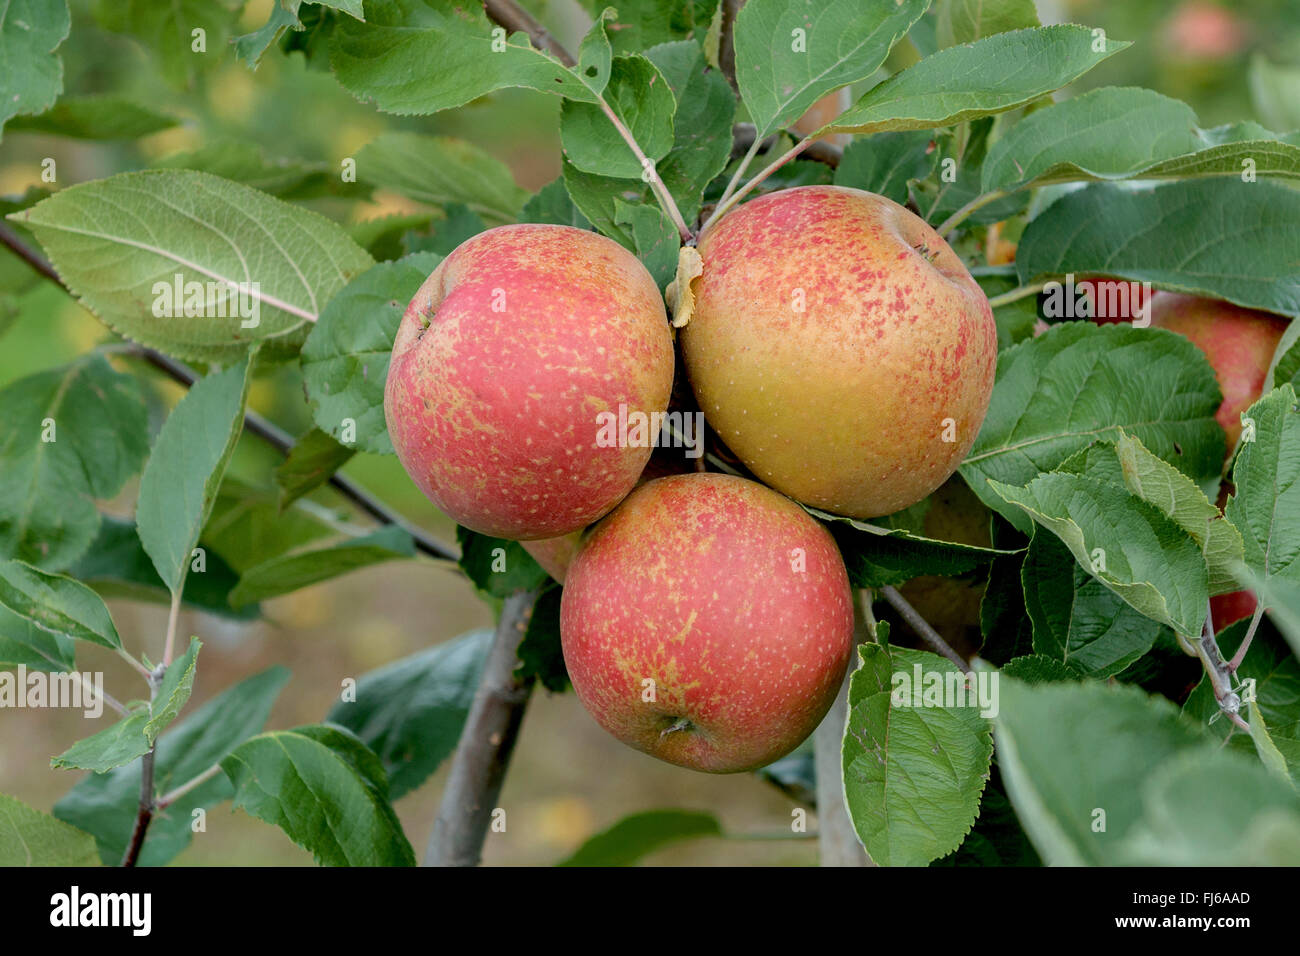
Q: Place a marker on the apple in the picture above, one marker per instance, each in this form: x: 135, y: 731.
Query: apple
x: 839, y: 348
x: 1239, y: 344
x: 707, y: 621
x: 503, y: 363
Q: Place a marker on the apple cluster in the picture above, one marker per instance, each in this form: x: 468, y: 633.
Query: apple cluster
x: 837, y: 346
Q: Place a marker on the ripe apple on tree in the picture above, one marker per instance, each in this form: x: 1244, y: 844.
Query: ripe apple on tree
x: 505, y: 356
x: 708, y: 621
x: 840, y: 348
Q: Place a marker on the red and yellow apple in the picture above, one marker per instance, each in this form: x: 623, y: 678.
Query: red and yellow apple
x: 839, y: 348
x: 1239, y: 344
x: 505, y: 358
x: 707, y: 621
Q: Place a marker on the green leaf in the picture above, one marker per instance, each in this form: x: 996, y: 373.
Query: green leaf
x: 1127, y: 464
x: 1285, y: 367
x: 997, y: 839
x: 596, y: 197
x: 1222, y: 239
x: 458, y: 224
x: 1016, y: 319
x: 410, y: 713
x: 117, y: 566
x: 246, y: 163
x: 1269, y: 754
x: 1058, y: 392
x: 71, y: 435
x: 248, y: 528
x: 1275, y: 92
x: 96, y: 116
x: 283, y: 575
x: 32, y: 78
x: 311, y: 462
x: 134, y: 735
x: 992, y: 75
x: 878, y: 556
x: 701, y: 125
x: 180, y: 482
x: 173, y: 692
x: 553, y: 205
x: 23, y: 643
x: 498, y: 567
x: 644, y: 23
x: 594, y: 54
x: 106, y: 804
x: 433, y: 55
x: 788, y: 57
x: 284, y: 16
x: 1071, y: 752
x: 914, y: 767
x: 123, y: 244
x: 540, y: 654
x: 1123, y: 133
x: 31, y: 838
x: 887, y: 162
x: 345, y: 359
x: 641, y: 98
x: 1129, y: 545
x: 384, y: 237
x: 1078, y: 621
x: 166, y: 31
x: 641, y: 834
x: 1004, y: 623
x: 1211, y: 808
x: 438, y: 170
x: 654, y: 237
x: 114, y: 746
x: 1265, y: 506
x: 326, y: 790
x: 1038, y: 669
x: 57, y: 604
x: 963, y: 21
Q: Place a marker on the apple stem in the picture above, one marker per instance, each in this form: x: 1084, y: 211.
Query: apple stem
x: 1245, y: 641
x: 486, y: 742
x: 776, y: 164
x: 922, y: 627
x: 1016, y: 294
x: 681, y: 724
x: 951, y: 223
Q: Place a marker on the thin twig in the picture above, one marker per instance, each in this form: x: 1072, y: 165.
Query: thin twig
x: 10, y: 239
x: 1245, y: 641
x: 486, y: 743
x: 727, y: 41
x: 979, y: 202
x: 1207, y: 649
x: 173, y: 615
x: 1016, y: 294
x: 742, y: 135
x: 103, y: 695
x: 772, y: 167
x: 922, y: 627
x: 144, y: 814
x: 515, y: 18
x: 168, y: 799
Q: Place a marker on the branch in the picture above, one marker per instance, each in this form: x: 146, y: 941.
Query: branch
x: 486, y: 743
x: 169, y: 798
x: 515, y: 18
x: 1207, y: 649
x: 821, y: 151
x: 727, y: 41
x: 145, y: 814
x: 922, y: 627
x: 1250, y: 636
